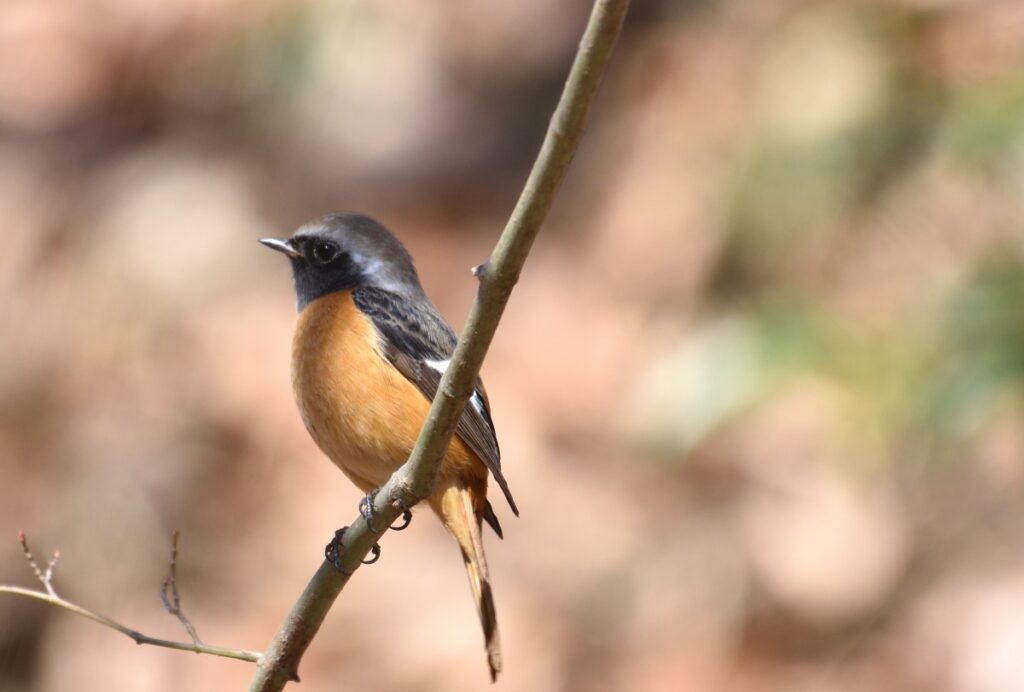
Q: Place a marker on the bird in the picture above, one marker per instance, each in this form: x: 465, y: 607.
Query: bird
x: 368, y: 354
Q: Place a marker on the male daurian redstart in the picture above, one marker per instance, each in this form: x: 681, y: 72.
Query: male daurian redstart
x: 367, y: 357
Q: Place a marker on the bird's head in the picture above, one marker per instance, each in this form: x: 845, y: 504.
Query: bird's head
x: 346, y: 251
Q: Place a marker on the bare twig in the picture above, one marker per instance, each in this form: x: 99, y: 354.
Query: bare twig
x: 50, y: 596
x: 45, y: 577
x: 413, y: 481
x: 173, y: 602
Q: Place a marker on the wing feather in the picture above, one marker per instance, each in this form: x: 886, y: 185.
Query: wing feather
x: 419, y: 343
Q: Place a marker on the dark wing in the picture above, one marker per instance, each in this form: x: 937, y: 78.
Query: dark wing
x: 418, y: 342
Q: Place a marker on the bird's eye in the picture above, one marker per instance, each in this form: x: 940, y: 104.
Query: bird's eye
x: 324, y: 252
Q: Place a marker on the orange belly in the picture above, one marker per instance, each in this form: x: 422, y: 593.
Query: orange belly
x: 362, y: 412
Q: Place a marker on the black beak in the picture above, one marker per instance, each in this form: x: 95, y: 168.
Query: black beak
x: 284, y: 246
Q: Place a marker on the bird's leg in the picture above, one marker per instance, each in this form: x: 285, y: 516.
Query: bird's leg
x: 366, y: 509
x: 333, y: 552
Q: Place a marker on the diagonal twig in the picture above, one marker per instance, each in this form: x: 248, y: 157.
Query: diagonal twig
x: 172, y: 602
x: 45, y: 577
x: 413, y: 481
x: 50, y: 596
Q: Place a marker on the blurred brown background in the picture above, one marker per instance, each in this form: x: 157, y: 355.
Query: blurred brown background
x: 759, y: 391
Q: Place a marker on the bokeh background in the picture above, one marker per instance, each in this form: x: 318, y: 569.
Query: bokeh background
x: 759, y: 390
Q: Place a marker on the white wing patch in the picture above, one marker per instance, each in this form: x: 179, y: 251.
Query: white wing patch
x: 478, y: 402
x: 441, y: 366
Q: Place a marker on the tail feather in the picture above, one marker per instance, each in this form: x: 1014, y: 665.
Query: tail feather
x: 460, y: 518
x: 492, y: 519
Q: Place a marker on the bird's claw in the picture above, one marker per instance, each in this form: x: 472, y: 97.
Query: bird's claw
x: 333, y: 552
x: 366, y: 510
x: 406, y: 520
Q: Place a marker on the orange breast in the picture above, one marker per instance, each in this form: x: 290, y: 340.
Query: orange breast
x: 362, y: 412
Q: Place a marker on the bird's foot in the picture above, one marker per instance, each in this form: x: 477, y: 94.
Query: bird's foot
x: 333, y: 552
x: 366, y: 509
x: 406, y: 518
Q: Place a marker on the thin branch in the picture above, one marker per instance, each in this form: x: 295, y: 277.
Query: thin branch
x: 45, y: 577
x: 173, y: 602
x: 137, y: 637
x: 50, y: 596
x: 414, y: 480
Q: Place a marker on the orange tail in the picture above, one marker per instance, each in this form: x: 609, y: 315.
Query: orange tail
x: 454, y: 503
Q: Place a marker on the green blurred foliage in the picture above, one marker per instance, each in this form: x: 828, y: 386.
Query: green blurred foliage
x: 978, y: 362
x: 984, y: 125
